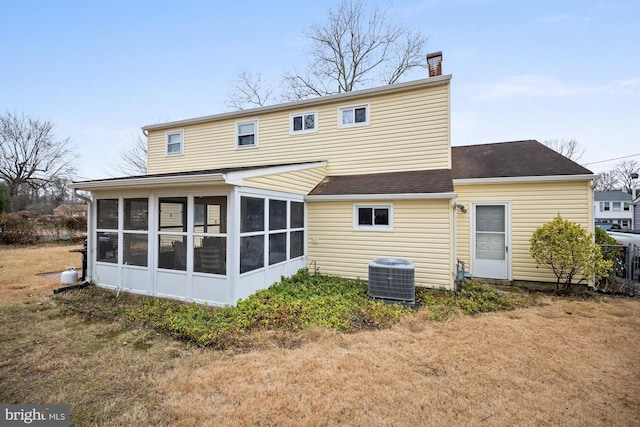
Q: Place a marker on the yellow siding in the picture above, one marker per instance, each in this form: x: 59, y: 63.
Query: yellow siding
x: 408, y: 130
x: 532, y: 204
x: 422, y: 233
x: 298, y: 182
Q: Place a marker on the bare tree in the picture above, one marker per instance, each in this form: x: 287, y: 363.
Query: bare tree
x: 133, y: 159
x: 625, y: 170
x: 607, y: 181
x: 248, y: 90
x: 31, y: 155
x: 568, y: 148
x: 356, y: 47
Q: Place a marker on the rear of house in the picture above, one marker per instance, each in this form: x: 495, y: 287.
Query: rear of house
x: 233, y: 202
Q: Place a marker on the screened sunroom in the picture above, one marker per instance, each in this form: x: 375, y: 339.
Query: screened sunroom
x: 192, y: 237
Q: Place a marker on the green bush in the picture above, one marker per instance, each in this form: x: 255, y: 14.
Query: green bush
x: 569, y: 251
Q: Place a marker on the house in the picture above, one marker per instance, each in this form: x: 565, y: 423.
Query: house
x: 234, y: 201
x: 636, y: 213
x: 71, y: 210
x: 613, y: 207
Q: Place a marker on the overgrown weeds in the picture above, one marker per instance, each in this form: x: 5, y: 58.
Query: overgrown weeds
x: 295, y: 304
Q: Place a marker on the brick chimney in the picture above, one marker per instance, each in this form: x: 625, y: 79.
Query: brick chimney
x: 434, y: 62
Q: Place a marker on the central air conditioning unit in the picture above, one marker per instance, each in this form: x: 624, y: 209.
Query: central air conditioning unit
x: 392, y: 280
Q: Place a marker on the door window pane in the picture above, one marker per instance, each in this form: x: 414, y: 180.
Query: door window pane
x: 173, y: 214
x: 172, y: 252
x: 136, y: 214
x: 107, y: 247
x: 490, y: 218
x: 490, y: 246
x: 210, y: 255
x: 210, y: 214
x: 135, y: 249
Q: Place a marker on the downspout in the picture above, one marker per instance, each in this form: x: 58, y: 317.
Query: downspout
x: 89, y: 273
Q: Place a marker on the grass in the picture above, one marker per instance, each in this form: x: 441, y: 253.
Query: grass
x: 296, y: 304
x: 557, y: 361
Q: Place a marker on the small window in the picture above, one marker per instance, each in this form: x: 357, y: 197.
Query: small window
x: 353, y: 116
x: 174, y: 142
x: 372, y: 217
x: 626, y: 206
x: 247, y: 134
x: 616, y: 206
x: 304, y: 123
x: 604, y: 207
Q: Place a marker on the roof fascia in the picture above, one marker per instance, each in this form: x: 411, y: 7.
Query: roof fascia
x: 397, y: 87
x: 146, y: 182
x: 399, y: 196
x: 524, y: 179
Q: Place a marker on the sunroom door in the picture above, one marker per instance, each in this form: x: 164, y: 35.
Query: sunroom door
x: 491, y: 241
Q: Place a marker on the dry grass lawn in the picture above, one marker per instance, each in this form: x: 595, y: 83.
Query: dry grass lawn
x: 570, y: 362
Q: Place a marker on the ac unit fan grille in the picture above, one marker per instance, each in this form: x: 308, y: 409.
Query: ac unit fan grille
x: 392, y: 281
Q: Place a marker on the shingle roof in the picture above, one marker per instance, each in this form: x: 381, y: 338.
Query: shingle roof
x: 511, y: 159
x: 412, y: 182
x: 600, y: 196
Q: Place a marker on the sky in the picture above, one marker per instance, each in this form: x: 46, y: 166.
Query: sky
x: 100, y: 70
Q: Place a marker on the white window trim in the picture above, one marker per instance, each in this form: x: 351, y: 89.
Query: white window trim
x: 353, y: 107
x: 166, y: 142
x: 374, y: 227
x: 306, y: 113
x: 255, y: 134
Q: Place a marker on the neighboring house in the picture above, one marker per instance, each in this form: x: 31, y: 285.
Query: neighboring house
x: 613, y: 207
x: 71, y: 209
x: 234, y: 201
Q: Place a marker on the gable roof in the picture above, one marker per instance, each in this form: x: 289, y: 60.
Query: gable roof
x: 411, y: 182
x: 511, y: 159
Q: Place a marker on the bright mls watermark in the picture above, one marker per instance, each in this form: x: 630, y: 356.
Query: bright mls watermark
x: 34, y: 415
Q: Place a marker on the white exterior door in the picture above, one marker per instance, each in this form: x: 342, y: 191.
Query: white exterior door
x: 490, y: 248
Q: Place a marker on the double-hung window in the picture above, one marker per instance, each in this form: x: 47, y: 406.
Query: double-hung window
x: 247, y: 134
x: 373, y: 217
x: 353, y: 115
x: 304, y: 122
x: 604, y: 207
x: 174, y: 142
x: 616, y: 206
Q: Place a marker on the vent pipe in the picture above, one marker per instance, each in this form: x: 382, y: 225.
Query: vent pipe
x: 434, y: 62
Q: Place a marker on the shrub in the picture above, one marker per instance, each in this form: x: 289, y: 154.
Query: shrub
x: 569, y: 251
x: 18, y: 228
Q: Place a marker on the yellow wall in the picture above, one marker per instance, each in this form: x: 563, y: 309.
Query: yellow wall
x: 531, y: 204
x: 408, y: 130
x: 298, y: 182
x: 422, y: 233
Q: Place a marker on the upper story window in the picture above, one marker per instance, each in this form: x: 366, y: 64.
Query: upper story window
x: 615, y: 206
x: 304, y: 122
x: 354, y: 115
x: 370, y: 217
x: 247, y: 134
x: 626, y: 206
x: 605, y: 207
x: 174, y: 142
